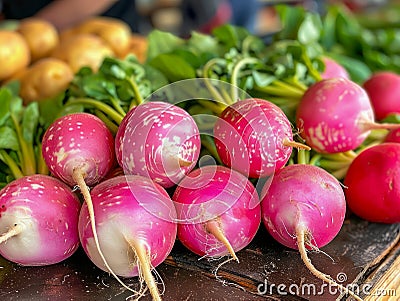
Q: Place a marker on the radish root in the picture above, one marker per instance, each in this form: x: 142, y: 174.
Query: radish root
x: 78, y: 176
x: 301, y: 235
x: 13, y: 231
x: 298, y: 145
x: 214, y: 228
x: 144, y: 266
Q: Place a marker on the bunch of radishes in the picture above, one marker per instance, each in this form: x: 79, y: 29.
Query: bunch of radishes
x: 128, y: 223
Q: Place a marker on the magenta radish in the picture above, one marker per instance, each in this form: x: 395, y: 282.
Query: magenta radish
x: 333, y: 69
x: 158, y: 140
x: 304, y: 208
x: 135, y: 225
x: 393, y: 136
x: 383, y: 89
x: 254, y: 137
x: 38, y: 221
x: 218, y: 211
x: 78, y: 144
x: 372, y: 184
x: 335, y: 115
x: 79, y: 149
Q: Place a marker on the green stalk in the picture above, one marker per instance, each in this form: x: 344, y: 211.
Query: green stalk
x: 315, y: 159
x: 117, y: 106
x: 298, y: 93
x: 215, y: 107
x: 138, y: 97
x: 235, y: 74
x: 110, y: 125
x: 28, y: 158
x: 106, y: 109
x: 279, y: 91
x: 6, y: 158
x: 214, y: 92
x: 209, y: 145
x: 314, y: 73
x: 303, y: 156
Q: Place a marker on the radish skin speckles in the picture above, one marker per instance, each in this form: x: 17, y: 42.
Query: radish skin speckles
x: 158, y: 140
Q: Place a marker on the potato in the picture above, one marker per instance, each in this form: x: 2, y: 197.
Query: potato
x: 138, y: 47
x: 114, y: 32
x: 45, y: 78
x: 14, y: 53
x: 41, y: 36
x: 82, y: 50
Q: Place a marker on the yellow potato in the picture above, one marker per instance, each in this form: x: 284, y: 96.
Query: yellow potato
x: 114, y: 32
x: 83, y: 50
x: 45, y: 78
x: 41, y: 36
x: 14, y: 53
x: 138, y: 47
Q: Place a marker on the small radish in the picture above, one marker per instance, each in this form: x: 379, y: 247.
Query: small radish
x: 78, y: 145
x: 333, y: 69
x: 304, y: 208
x: 335, y: 115
x: 38, y: 221
x: 383, y: 89
x: 254, y: 137
x: 158, y: 140
x: 218, y: 211
x: 135, y: 225
x: 372, y: 184
x: 79, y: 149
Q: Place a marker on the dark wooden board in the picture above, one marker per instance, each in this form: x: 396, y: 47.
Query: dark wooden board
x: 360, y: 250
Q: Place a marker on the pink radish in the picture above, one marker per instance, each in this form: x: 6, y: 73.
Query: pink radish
x: 135, y: 225
x: 38, y: 221
x: 79, y: 149
x: 158, y: 140
x: 333, y: 69
x: 78, y: 145
x: 254, y: 137
x: 335, y: 115
x: 218, y: 211
x: 304, y: 208
x: 372, y: 183
x: 383, y: 89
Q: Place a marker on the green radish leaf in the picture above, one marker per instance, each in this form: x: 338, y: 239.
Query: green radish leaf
x: 8, y: 138
x: 174, y: 67
x: 310, y: 29
x: 160, y: 42
x: 5, y: 103
x: 30, y: 121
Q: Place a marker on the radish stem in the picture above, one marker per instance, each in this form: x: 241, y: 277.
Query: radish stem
x: 302, y: 235
x: 13, y: 231
x: 78, y: 176
x: 214, y: 228
x: 145, y: 267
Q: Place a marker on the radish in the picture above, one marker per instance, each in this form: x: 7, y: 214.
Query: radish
x: 254, y: 137
x: 304, y: 208
x: 79, y: 149
x: 335, y: 115
x: 218, y: 211
x: 383, y: 89
x: 333, y: 69
x: 372, y: 183
x: 136, y: 227
x: 78, y: 145
x: 158, y: 140
x: 393, y: 136
x: 38, y: 221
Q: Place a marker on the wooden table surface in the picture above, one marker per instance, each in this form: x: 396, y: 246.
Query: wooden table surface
x: 364, y: 254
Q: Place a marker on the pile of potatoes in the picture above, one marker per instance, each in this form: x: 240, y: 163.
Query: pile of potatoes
x: 45, y: 60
